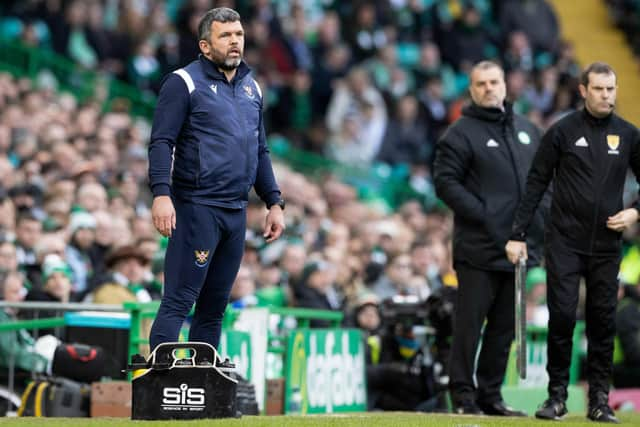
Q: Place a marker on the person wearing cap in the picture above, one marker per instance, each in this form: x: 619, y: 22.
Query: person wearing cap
x: 315, y: 289
x: 82, y: 230
x: 480, y: 170
x: 56, y: 287
x: 207, y: 151
x: 127, y: 278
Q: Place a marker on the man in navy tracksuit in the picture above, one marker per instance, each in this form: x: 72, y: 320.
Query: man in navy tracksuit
x: 209, y: 117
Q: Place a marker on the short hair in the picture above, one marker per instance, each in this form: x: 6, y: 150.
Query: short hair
x: 219, y: 14
x: 485, y: 65
x: 596, y: 68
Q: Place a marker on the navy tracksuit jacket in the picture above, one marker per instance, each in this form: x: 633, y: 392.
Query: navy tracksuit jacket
x: 214, y: 130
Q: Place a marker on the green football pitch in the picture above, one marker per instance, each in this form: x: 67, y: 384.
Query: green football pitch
x: 400, y: 419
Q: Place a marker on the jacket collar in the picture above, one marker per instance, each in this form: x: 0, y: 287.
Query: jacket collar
x: 212, y: 71
x: 596, y: 121
x: 490, y: 114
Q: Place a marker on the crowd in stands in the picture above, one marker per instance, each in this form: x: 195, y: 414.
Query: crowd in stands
x: 359, y: 82
x: 626, y: 16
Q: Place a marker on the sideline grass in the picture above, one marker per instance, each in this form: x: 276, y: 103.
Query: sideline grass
x: 399, y: 419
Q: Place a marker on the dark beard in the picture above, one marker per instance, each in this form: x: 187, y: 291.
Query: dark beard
x: 222, y: 63
x: 226, y: 67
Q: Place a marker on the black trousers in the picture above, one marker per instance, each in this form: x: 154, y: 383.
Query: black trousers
x: 564, y: 270
x: 481, y: 295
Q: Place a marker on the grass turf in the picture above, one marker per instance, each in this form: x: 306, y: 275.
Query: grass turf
x: 400, y: 419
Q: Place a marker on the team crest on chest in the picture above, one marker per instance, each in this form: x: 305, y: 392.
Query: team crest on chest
x: 201, y: 258
x: 613, y: 141
x: 248, y: 90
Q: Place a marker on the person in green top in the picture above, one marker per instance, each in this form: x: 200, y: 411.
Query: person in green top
x: 19, y: 345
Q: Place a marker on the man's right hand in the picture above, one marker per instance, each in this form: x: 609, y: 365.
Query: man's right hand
x: 516, y: 249
x: 164, y: 215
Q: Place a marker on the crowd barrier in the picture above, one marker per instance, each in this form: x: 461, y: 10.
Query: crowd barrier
x: 295, y: 369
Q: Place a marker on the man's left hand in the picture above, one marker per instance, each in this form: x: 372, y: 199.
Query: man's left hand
x: 623, y: 219
x: 274, y: 224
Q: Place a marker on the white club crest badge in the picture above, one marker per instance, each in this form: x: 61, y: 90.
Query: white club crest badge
x: 248, y: 90
x: 201, y: 258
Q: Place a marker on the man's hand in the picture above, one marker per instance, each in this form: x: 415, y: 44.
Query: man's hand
x: 273, y: 224
x: 623, y: 219
x: 516, y: 249
x: 164, y: 215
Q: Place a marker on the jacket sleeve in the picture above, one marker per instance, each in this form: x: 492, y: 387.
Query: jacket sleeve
x: 452, y: 159
x: 171, y: 112
x: 538, y: 180
x: 265, y: 185
x: 635, y: 164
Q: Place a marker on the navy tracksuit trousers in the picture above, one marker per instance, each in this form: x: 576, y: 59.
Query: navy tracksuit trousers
x: 201, y: 263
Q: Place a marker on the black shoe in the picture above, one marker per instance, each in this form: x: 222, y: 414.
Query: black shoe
x: 603, y: 414
x: 552, y: 409
x: 467, y: 407
x: 500, y: 408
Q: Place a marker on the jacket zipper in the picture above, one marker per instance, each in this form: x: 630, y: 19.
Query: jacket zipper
x: 199, y: 167
x: 596, y: 207
x: 243, y: 127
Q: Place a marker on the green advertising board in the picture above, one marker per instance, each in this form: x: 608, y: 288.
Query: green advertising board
x: 236, y: 346
x: 325, y: 372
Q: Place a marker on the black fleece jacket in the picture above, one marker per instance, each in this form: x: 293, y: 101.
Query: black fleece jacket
x: 587, y: 158
x: 480, y: 171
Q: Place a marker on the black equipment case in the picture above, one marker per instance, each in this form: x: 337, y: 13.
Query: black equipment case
x: 168, y: 386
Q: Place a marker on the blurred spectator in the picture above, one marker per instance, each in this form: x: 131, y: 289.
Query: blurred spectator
x: 536, y: 287
x: 82, y: 231
x: 8, y: 256
x: 129, y: 278
x: 468, y: 42
x: 356, y: 112
x: 243, y: 289
x: 17, y: 347
x: 316, y: 290
x: 56, y: 279
x: 398, y: 280
x: 28, y: 232
x: 535, y: 18
x: 627, y: 352
x: 292, y: 262
x: 405, y: 139
x: 365, y: 32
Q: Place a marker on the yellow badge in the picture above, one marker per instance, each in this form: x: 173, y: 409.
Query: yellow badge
x: 201, y: 258
x: 613, y: 141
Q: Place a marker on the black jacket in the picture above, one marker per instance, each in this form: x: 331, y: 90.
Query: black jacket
x: 588, y: 159
x: 480, y: 171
